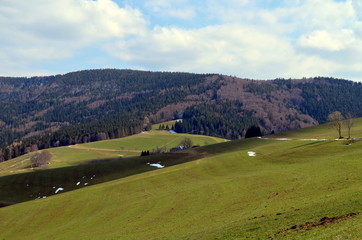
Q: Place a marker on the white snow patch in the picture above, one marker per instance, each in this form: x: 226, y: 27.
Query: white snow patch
x: 44, y: 196
x: 251, y: 154
x: 78, y: 183
x: 85, y: 184
x: 59, y: 189
x: 83, y: 177
x: 157, y: 165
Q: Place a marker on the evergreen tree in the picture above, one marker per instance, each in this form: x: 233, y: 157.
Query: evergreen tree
x: 253, y: 131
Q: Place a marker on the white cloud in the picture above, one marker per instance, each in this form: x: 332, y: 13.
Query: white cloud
x: 71, y: 19
x: 254, y: 42
x: 324, y: 14
x: 41, y: 30
x: 259, y: 39
x: 229, y: 49
x: 330, y: 41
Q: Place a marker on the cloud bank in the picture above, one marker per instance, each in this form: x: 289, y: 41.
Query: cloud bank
x: 253, y: 39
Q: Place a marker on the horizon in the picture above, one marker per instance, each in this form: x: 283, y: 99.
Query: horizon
x: 160, y: 71
x: 261, y: 40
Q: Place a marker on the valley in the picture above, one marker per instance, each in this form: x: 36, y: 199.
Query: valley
x: 218, y: 191
x: 93, y: 105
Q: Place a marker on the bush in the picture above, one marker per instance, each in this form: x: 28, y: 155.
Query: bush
x: 40, y: 159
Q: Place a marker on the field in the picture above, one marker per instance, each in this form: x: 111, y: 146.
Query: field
x: 108, y: 149
x: 244, y: 189
x: 325, y: 131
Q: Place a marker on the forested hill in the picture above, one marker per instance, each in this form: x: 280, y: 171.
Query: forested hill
x: 42, y: 112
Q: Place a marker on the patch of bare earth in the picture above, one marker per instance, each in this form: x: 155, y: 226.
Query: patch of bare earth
x: 96, y: 104
x: 76, y: 99
x: 43, y: 112
x: 322, y: 222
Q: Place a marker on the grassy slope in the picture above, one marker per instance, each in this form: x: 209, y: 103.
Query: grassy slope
x: 152, y: 140
x: 108, y: 149
x: 324, y: 131
x: 226, y: 195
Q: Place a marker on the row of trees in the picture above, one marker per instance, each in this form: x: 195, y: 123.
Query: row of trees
x: 114, y: 127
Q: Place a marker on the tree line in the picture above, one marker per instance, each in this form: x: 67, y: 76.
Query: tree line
x: 94, y: 105
x: 114, y: 127
x: 44, y: 104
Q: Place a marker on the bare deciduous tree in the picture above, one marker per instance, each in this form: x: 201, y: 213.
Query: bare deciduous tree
x: 336, y: 118
x: 41, y: 159
x: 187, y: 143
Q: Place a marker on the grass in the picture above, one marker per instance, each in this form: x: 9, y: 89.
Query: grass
x: 218, y: 192
x: 28, y: 186
x: 169, y: 124
x: 324, y: 131
x: 151, y: 141
x: 16, y: 165
x: 108, y: 149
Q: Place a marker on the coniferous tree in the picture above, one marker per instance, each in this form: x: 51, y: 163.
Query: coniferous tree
x: 253, y: 131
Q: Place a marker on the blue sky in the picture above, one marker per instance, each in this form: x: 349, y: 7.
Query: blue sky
x: 258, y: 39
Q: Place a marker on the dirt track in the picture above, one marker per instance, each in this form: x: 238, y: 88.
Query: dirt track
x: 100, y: 149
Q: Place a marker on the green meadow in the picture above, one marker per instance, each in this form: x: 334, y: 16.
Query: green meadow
x: 130, y: 146
x: 325, y: 131
x: 244, y: 189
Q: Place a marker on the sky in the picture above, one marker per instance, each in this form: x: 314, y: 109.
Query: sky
x: 256, y: 39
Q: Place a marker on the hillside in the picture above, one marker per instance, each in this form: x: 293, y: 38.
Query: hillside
x: 92, y: 105
x: 243, y: 189
x: 119, y: 148
x: 92, y: 163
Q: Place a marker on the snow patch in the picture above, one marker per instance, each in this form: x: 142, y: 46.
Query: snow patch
x: 85, y: 184
x: 77, y: 183
x: 40, y: 197
x: 251, y: 154
x: 157, y: 165
x: 59, y: 189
